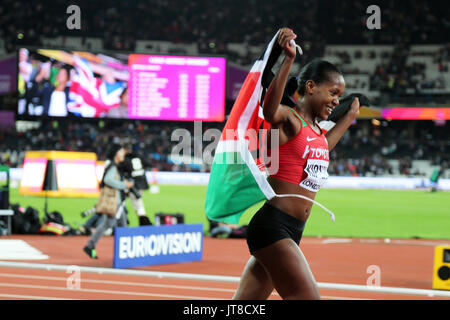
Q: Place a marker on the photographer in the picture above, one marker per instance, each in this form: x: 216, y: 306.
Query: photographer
x: 133, y: 169
x: 111, y: 200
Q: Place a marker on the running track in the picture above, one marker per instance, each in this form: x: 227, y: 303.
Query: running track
x: 402, y: 263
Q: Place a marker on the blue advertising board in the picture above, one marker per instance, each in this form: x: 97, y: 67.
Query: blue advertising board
x: 152, y: 245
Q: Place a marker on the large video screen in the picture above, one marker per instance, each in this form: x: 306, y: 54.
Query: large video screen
x: 416, y: 113
x: 58, y: 83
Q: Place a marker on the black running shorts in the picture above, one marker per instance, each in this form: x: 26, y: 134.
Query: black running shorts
x: 269, y: 225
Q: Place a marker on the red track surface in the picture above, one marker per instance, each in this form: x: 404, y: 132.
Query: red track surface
x: 403, y: 263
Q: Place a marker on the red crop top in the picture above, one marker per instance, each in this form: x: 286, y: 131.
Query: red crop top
x: 304, y: 159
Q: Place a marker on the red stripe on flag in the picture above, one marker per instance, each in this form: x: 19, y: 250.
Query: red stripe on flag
x: 241, y: 102
x: 254, y: 124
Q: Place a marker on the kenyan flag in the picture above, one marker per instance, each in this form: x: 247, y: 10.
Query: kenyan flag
x: 238, y: 174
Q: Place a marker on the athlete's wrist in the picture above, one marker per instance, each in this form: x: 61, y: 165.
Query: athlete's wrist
x: 347, y: 120
x: 289, y: 59
x: 351, y: 116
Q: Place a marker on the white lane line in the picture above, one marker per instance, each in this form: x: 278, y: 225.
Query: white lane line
x: 419, y: 243
x: 124, y: 272
x: 218, y: 278
x: 125, y: 283
x: 403, y: 242
x: 23, y: 276
x: 106, y: 292
x: 334, y: 240
x: 20, y: 296
x: 342, y: 298
x: 390, y: 290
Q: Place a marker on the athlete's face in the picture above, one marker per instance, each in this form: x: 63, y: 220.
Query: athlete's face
x: 325, y: 96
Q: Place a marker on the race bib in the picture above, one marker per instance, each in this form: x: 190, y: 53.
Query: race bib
x: 317, y: 171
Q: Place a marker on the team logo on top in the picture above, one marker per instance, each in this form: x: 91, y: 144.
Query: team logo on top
x: 316, y: 153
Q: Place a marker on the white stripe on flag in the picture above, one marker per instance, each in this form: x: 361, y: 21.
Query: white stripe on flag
x: 260, y: 177
x: 244, y: 120
x: 227, y: 146
x: 259, y: 66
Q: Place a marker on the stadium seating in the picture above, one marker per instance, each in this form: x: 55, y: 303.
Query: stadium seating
x: 408, y: 66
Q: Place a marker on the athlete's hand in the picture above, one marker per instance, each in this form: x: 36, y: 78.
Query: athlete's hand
x: 284, y: 37
x: 353, y: 112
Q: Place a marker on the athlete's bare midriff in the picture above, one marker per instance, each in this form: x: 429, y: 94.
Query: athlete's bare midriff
x: 296, y: 207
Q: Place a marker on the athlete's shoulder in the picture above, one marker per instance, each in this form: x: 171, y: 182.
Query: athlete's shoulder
x: 294, y: 123
x: 285, y: 107
x: 287, y: 111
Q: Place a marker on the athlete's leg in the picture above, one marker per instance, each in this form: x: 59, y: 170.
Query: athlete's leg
x: 255, y: 283
x: 289, y: 270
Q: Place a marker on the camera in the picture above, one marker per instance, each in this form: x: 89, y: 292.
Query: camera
x: 134, y: 191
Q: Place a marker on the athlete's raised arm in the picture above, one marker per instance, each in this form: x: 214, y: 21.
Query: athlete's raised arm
x: 342, y: 125
x: 271, y: 106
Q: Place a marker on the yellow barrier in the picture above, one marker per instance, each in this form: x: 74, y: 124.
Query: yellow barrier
x: 60, y: 174
x: 441, y: 269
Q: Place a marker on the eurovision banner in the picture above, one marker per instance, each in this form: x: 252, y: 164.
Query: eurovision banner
x: 153, y: 245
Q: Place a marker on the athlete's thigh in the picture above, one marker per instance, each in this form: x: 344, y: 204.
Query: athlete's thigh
x: 255, y: 283
x: 289, y: 270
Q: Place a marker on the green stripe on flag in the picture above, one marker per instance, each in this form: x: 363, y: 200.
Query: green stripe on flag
x: 232, y: 189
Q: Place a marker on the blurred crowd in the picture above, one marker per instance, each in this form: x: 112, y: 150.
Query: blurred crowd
x: 366, y: 149
x: 220, y: 22
x: 397, y: 77
x: 407, y: 21
x: 402, y: 76
x: 213, y: 25
x: 153, y: 142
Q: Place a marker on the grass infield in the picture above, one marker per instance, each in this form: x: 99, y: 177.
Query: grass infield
x: 359, y: 213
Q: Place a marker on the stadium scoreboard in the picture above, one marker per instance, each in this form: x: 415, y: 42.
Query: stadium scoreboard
x: 177, y: 87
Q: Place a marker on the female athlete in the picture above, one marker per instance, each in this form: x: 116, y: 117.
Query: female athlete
x: 275, y: 231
